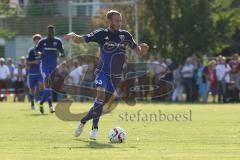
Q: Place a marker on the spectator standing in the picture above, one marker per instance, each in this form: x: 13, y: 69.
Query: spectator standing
x: 75, y: 74
x: 223, y: 78
x: 4, y: 75
x: 234, y: 74
x: 57, y: 81
x: 11, y: 68
x: 178, y: 85
x: 19, y: 84
x: 160, y: 69
x: 74, y: 78
x: 203, y: 81
x: 188, y: 78
x: 213, y: 79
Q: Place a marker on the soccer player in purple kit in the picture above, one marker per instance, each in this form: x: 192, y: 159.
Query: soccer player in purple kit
x: 49, y: 49
x: 34, y: 77
x: 113, y: 43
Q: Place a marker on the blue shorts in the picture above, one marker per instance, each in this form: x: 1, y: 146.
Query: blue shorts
x: 34, y: 80
x: 46, y: 71
x: 109, y: 83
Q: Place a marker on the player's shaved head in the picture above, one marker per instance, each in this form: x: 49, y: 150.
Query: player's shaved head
x: 50, y: 27
x: 111, y: 13
x: 51, y: 31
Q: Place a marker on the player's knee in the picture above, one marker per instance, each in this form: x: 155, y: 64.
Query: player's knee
x: 99, y: 101
x: 41, y: 86
x: 101, y: 94
x: 32, y: 91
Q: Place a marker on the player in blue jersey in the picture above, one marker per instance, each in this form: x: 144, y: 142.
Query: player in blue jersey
x: 34, y: 77
x: 113, y: 43
x: 49, y: 48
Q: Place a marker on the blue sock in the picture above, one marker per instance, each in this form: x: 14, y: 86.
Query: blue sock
x: 94, y: 113
x: 46, y: 94
x: 50, y: 97
x: 31, y: 96
x: 96, y: 120
x: 40, y: 95
x: 95, y: 123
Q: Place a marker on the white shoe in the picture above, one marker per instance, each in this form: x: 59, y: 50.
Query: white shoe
x: 79, y: 130
x: 94, y: 134
x: 51, y: 109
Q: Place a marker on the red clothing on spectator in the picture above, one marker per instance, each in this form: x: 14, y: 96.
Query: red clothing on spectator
x: 212, y: 77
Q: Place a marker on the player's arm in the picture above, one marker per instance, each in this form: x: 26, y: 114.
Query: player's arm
x: 141, y: 49
x: 94, y: 36
x: 31, y: 59
x: 39, y: 47
x: 33, y: 62
x: 60, y: 49
x: 74, y: 37
x: 7, y: 72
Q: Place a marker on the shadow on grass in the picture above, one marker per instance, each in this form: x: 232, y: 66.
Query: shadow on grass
x: 24, y: 110
x: 36, y: 114
x: 96, y: 145
x: 92, y: 145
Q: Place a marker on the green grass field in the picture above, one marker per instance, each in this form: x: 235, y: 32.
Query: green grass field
x: 213, y: 134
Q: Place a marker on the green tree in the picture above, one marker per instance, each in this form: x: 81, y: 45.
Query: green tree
x: 37, y: 8
x: 7, y: 10
x: 180, y: 28
x: 5, y: 34
x: 76, y: 50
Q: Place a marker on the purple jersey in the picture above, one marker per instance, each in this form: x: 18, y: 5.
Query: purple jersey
x: 33, y: 69
x: 113, y: 46
x: 49, y: 49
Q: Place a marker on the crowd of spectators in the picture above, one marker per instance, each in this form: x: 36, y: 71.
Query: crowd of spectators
x: 204, y: 79
x: 13, y: 79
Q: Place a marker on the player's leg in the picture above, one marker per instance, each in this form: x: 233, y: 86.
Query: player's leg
x: 31, y: 97
x: 104, y: 82
x: 47, y: 91
x: 110, y: 101
x: 94, y: 131
x: 94, y: 112
x: 46, y: 96
x: 109, y: 104
x: 42, y: 95
x: 31, y: 82
x: 41, y: 86
x: 49, y: 97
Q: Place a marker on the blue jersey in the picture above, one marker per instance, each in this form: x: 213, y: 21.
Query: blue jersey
x: 33, y: 69
x: 113, y: 46
x: 50, y: 49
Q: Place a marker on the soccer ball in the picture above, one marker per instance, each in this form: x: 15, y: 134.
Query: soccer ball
x: 117, y: 135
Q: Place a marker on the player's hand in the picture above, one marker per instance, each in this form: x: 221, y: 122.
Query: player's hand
x: 144, y: 49
x: 35, y: 62
x: 69, y: 36
x: 61, y: 55
x: 39, y: 54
